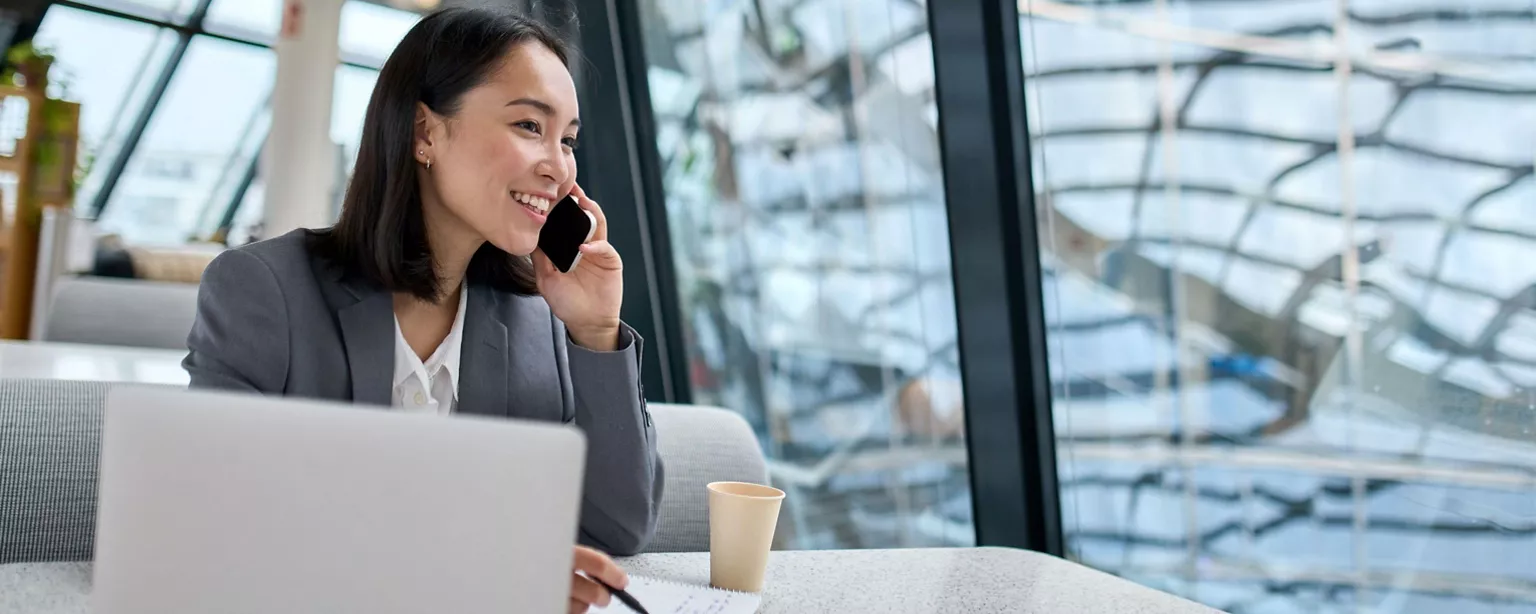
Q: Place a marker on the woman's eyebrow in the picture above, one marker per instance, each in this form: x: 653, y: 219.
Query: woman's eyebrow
x: 535, y: 103
x: 542, y: 106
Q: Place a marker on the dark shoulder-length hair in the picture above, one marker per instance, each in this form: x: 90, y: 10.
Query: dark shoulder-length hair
x: 381, y: 236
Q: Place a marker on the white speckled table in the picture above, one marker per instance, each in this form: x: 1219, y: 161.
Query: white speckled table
x: 918, y: 581
x: 928, y: 580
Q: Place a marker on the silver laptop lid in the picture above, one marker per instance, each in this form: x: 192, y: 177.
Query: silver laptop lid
x: 242, y: 503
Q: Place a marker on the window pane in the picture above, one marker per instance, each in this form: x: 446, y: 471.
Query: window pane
x: 198, y: 138
x: 107, y: 65
x: 1289, y: 312
x: 232, y: 173
x: 353, y: 88
x: 257, y: 19
x: 164, y: 10
x: 371, y: 32
x: 805, y: 203
x: 246, y: 226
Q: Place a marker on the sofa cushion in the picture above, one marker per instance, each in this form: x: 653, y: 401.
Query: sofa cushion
x: 125, y: 312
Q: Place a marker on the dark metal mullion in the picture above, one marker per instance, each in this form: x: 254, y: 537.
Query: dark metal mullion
x: 989, y: 195
x: 664, y: 291
x: 26, y: 28
x: 621, y: 168
x: 151, y: 103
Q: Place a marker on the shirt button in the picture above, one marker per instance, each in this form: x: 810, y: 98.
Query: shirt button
x: 421, y: 399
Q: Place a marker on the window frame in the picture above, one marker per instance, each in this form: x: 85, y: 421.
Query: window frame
x: 193, y: 27
x: 989, y: 194
x: 994, y: 241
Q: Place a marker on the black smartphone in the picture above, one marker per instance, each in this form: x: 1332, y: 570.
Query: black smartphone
x: 567, y: 227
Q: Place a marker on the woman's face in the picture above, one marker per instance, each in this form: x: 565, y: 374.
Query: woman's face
x: 505, y: 158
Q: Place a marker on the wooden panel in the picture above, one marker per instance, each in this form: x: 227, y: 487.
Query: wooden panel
x: 45, y: 161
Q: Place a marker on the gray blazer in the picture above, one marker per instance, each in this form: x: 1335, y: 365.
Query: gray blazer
x: 274, y: 318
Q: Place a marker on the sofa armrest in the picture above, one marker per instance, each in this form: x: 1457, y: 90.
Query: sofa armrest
x: 699, y: 445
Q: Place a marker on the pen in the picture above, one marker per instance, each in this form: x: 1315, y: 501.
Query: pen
x: 627, y: 598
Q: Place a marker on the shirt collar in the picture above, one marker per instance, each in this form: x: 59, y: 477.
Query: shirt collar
x: 446, y: 356
x: 452, y: 346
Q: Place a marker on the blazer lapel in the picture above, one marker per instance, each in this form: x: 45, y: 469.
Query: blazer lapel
x: 366, y: 316
x: 533, y: 372
x: 483, y: 356
x: 368, y: 330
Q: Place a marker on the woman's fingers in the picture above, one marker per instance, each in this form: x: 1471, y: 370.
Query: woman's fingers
x: 602, y: 254
x: 583, y: 589
x: 598, y: 565
x: 601, y: 233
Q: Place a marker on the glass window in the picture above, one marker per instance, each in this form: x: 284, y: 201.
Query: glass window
x: 806, y: 207
x: 370, y: 31
x: 107, y: 65
x: 214, y: 117
x: 232, y: 173
x: 1289, y: 313
x: 354, y: 87
x: 246, y: 225
x: 258, y: 19
x: 159, y: 10
x: 209, y: 119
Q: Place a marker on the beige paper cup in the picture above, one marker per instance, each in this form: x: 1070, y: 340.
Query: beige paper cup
x: 741, y: 521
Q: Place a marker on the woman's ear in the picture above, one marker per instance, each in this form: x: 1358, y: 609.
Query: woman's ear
x: 422, y: 127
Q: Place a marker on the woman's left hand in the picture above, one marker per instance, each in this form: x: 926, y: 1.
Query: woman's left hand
x: 588, y: 297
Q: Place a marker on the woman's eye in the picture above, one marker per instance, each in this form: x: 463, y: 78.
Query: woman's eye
x: 570, y: 142
x: 529, y: 126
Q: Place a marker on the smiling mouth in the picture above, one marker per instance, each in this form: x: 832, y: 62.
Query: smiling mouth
x: 538, y: 204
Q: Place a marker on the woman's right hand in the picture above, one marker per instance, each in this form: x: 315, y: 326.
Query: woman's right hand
x: 584, y: 592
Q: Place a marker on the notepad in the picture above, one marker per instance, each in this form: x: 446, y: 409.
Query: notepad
x: 663, y: 597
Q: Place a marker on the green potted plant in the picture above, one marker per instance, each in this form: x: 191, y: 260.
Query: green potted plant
x: 27, y: 65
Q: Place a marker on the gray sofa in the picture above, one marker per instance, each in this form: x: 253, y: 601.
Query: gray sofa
x: 50, y: 439
x: 107, y: 311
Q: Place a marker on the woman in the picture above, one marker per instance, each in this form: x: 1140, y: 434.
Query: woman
x: 424, y: 296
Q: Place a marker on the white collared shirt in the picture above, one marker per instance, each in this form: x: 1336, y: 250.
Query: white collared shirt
x: 431, y: 386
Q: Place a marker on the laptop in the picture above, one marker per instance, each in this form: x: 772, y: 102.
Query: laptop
x: 212, y: 502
